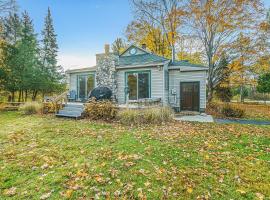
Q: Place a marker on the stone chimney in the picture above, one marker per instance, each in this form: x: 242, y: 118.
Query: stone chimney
x: 106, y: 71
x: 107, y: 49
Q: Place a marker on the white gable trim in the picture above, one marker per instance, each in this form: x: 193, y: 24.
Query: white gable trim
x: 134, y: 46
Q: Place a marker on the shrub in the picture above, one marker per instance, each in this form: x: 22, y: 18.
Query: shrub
x: 30, y: 108
x: 104, y: 110
x: 145, y: 116
x: 231, y: 111
x: 224, y: 93
x: 49, y: 107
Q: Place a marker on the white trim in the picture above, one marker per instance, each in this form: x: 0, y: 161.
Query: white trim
x: 139, y: 66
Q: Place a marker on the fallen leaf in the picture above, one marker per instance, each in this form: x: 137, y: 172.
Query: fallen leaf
x: 189, y: 190
x: 129, y: 164
x: 241, y: 191
x: 147, y: 183
x: 260, y: 196
x: 10, y: 192
x: 45, y: 196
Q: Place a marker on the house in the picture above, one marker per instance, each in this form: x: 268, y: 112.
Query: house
x: 139, y: 74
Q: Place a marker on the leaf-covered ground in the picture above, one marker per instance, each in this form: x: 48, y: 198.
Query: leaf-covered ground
x: 43, y: 157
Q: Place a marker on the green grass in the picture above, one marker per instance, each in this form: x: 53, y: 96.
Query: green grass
x: 44, y: 156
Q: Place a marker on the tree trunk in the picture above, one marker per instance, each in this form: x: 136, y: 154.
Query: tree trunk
x: 242, y: 94
x: 34, y: 95
x: 210, y: 95
x: 20, y: 95
x: 12, y: 96
x: 210, y: 90
x: 26, y: 95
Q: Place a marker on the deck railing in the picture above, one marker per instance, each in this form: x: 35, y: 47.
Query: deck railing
x: 60, y: 99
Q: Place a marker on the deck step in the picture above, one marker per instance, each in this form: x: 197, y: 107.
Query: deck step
x: 74, y: 105
x: 69, y: 116
x: 71, y: 110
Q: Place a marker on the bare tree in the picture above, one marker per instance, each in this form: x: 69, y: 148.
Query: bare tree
x: 217, y: 23
x: 165, y: 13
x: 7, y: 6
x: 118, y: 46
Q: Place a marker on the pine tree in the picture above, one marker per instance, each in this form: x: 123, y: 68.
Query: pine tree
x: 28, y: 58
x: 49, y: 51
x: 12, y: 30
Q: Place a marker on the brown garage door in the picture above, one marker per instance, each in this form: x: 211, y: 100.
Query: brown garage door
x: 189, y: 94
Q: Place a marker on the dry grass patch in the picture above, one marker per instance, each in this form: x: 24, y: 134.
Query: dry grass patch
x: 156, y: 115
x: 251, y: 111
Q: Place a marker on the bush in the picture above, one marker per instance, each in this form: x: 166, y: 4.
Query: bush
x: 145, y: 116
x: 224, y: 93
x: 30, y: 108
x: 231, y: 111
x: 104, y: 110
x: 49, y: 107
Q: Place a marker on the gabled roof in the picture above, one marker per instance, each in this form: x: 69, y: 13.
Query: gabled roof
x: 185, y: 63
x: 147, y: 58
x: 136, y: 47
x: 141, y: 59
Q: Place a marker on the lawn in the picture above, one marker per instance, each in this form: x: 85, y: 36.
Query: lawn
x: 255, y: 111
x: 252, y: 111
x: 43, y: 157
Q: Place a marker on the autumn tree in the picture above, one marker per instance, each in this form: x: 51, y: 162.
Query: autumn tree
x: 190, y: 48
x: 143, y: 32
x: 118, y: 46
x: 165, y: 14
x: 217, y: 24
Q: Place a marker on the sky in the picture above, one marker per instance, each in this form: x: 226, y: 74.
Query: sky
x: 83, y: 27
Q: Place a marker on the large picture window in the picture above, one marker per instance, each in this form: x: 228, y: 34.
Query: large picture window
x: 86, y: 83
x: 138, y: 85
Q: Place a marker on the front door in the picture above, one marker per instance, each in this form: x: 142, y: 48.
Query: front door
x: 190, y: 96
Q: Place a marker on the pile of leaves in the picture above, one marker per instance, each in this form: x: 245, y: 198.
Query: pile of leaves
x: 100, y: 110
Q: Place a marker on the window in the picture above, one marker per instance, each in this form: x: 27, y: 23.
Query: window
x: 86, y: 83
x: 138, y: 85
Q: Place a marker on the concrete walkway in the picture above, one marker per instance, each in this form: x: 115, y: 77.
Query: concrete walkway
x: 195, y: 118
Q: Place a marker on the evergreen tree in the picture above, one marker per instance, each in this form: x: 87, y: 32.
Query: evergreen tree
x: 49, y: 55
x: 223, y: 90
x: 12, y: 29
x: 28, y: 58
x: 264, y: 83
x: 10, y: 70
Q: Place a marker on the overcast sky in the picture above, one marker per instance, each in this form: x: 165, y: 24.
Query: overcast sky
x: 82, y: 26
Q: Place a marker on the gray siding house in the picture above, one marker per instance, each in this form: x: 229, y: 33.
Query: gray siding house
x: 139, y: 74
